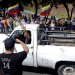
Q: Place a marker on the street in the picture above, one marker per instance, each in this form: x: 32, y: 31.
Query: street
x: 37, y: 71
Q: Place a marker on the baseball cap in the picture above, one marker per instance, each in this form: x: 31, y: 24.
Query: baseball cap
x: 9, y: 42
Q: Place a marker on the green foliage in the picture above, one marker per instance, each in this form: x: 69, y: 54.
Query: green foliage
x: 53, y: 3
x: 61, y: 16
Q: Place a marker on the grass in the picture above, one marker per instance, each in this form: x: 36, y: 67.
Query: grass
x: 61, y: 15
x: 29, y: 8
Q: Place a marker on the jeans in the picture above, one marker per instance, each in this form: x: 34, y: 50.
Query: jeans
x: 1, y: 28
x: 47, y: 29
x: 43, y: 37
x: 68, y: 26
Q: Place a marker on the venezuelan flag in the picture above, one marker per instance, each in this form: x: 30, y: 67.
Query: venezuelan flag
x: 13, y: 9
x: 45, y: 10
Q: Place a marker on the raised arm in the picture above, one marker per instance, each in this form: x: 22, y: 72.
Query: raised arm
x: 23, y: 45
x: 25, y: 32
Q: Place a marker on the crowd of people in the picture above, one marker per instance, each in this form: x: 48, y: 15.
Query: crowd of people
x: 8, y: 23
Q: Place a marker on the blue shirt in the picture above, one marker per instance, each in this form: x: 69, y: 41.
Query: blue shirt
x: 1, y: 23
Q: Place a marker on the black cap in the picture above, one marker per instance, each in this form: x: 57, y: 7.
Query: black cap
x: 9, y: 42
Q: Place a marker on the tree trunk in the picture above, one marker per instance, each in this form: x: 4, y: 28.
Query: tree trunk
x: 68, y: 14
x: 72, y: 11
x: 4, y: 12
x: 67, y: 9
x: 36, y: 10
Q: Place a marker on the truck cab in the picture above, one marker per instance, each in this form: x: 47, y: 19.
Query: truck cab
x: 32, y: 30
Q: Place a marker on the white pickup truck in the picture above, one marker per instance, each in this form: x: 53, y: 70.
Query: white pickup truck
x: 59, y: 57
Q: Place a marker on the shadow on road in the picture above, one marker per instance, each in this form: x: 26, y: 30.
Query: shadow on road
x: 41, y: 70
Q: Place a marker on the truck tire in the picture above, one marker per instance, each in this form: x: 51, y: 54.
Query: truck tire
x: 66, y: 70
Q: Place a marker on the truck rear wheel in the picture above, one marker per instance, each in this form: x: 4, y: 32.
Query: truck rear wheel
x: 66, y: 70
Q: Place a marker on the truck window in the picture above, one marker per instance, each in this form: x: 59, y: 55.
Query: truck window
x: 20, y: 35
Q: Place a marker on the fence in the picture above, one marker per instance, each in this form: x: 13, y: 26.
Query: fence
x: 59, y: 37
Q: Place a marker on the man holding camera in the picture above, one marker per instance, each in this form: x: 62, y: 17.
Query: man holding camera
x: 11, y: 63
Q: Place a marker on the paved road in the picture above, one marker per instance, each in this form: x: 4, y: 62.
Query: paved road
x: 26, y: 12
x: 37, y: 71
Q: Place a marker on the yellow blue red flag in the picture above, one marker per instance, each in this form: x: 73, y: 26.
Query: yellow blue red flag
x: 45, y: 10
x: 14, y: 9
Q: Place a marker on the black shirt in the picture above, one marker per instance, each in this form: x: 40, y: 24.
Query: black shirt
x: 11, y: 64
x: 28, y: 41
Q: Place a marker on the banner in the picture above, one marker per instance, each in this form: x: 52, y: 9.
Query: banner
x: 45, y: 10
x: 14, y: 9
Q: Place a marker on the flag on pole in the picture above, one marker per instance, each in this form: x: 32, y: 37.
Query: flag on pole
x: 45, y: 10
x: 14, y: 9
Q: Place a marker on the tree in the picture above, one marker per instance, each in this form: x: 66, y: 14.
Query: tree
x: 47, y: 2
x: 55, y: 3
x: 7, y: 3
x: 66, y: 3
x: 36, y: 7
x: 26, y: 2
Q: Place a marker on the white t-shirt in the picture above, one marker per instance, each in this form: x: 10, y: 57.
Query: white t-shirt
x: 68, y: 21
x: 32, y: 23
x: 23, y: 22
x: 52, y: 25
x: 73, y: 23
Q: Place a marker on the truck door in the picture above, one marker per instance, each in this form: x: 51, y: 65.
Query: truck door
x: 29, y: 60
